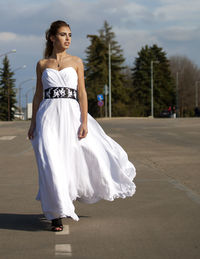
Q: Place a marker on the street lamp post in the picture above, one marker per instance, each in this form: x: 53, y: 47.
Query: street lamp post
x: 152, y: 107
x: 24, y: 66
x: 109, y: 79
x: 106, y: 93
x: 20, y: 90
x: 8, y: 100
x: 177, y: 97
x: 196, y: 94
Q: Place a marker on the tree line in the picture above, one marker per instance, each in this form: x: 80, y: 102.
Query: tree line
x: 175, y: 80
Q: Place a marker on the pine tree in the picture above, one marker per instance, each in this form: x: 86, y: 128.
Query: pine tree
x: 7, y: 93
x: 97, y: 72
x: 164, y: 85
x: 120, y: 93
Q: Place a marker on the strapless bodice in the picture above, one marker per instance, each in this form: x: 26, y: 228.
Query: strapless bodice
x: 67, y: 77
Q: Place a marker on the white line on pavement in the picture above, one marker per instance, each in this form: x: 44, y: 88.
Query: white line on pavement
x: 63, y: 249
x: 65, y: 230
x: 191, y: 194
x: 7, y: 137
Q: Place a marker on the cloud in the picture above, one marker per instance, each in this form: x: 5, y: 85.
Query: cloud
x: 29, y: 49
x: 83, y: 15
x: 7, y: 36
x: 133, y: 40
x: 178, y: 11
x: 172, y: 24
x: 179, y: 33
x: 25, y: 43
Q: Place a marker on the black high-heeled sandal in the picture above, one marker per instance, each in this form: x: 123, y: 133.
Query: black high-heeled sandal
x: 56, y: 225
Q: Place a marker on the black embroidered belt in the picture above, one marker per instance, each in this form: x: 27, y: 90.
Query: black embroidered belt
x: 60, y: 92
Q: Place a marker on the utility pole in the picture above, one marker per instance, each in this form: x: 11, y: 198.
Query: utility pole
x: 152, y: 89
x: 196, y: 94
x: 8, y: 100
x: 109, y: 79
x: 152, y: 107
x: 177, y: 106
x: 20, y: 91
x: 106, y: 106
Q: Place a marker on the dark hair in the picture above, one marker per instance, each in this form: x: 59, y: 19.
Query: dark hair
x: 52, y: 31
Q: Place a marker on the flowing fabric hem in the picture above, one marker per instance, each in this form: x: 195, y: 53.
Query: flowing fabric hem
x: 89, y: 200
x: 49, y: 216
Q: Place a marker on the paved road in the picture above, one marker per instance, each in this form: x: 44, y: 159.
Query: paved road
x: 161, y: 221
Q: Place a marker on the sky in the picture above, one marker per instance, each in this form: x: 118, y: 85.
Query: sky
x: 173, y: 25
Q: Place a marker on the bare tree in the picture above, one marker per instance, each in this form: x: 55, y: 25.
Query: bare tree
x: 187, y: 75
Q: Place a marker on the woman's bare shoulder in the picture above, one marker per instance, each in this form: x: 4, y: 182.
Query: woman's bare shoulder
x: 78, y: 61
x: 42, y: 63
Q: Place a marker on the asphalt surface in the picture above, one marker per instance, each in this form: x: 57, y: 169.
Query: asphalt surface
x: 161, y: 221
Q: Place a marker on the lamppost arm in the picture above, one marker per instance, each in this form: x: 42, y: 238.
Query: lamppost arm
x: 24, y: 66
x: 11, y: 51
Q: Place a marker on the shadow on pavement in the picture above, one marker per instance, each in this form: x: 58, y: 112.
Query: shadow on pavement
x: 24, y: 222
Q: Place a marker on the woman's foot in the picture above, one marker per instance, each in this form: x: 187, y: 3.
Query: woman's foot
x: 57, y: 225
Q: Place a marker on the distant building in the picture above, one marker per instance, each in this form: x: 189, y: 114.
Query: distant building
x: 19, y: 115
x: 29, y: 111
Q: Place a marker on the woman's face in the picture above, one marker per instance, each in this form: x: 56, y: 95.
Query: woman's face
x: 62, y: 39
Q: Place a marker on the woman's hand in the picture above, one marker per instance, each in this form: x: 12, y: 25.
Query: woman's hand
x: 30, y: 131
x: 82, y: 132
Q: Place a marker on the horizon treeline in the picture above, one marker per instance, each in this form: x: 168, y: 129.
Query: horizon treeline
x: 175, y: 81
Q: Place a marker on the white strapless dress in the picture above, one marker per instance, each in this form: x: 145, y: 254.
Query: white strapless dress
x: 87, y: 170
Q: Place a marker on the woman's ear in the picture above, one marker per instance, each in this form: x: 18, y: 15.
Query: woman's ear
x: 52, y: 38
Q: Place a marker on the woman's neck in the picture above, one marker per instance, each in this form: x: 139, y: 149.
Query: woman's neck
x: 59, y: 55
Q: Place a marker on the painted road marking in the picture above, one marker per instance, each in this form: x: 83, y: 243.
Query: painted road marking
x: 65, y: 230
x: 7, y: 137
x: 191, y: 194
x: 63, y: 249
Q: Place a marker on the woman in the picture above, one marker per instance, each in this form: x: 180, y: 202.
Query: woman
x: 73, y: 163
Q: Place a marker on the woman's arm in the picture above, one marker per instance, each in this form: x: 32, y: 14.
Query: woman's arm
x: 82, y: 96
x: 38, y: 96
